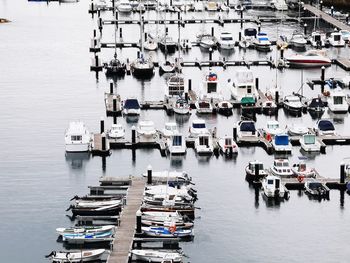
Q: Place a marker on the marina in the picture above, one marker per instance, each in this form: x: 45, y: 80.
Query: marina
x: 174, y: 131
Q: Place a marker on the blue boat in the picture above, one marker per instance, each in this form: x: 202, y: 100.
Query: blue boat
x: 171, y: 231
x: 281, y: 143
x: 81, y: 238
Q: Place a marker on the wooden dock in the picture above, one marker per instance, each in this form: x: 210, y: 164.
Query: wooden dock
x: 126, y: 230
x: 344, y: 63
x: 100, y: 145
x: 328, y: 18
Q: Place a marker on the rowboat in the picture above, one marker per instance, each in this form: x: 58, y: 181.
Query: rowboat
x: 76, y: 256
x: 150, y: 255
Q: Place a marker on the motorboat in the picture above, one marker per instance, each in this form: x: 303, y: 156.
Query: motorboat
x: 273, y: 128
x: 170, y: 129
x: 204, y: 106
x: 212, y: 6
x: 248, y: 36
x: 298, y: 40
x: 172, y: 177
x: 309, y: 143
x: 77, y: 137
x: 151, y: 255
x: 167, y: 67
x: 124, y: 6
x: 336, y: 39
x: 198, y: 127
x: 302, y: 171
x: 243, y: 85
x: 82, y: 238
x: 206, y: 41
x: 255, y: 171
x: 131, y: 107
x: 226, y: 41
x: 175, y: 86
x: 105, y: 207
x: 166, y: 232
x: 262, y: 42
x: 181, y: 107
x: 142, y: 68
x: 117, y: 131
x: 282, y: 168
x: 167, y: 44
x: 210, y: 88
x: 311, y: 59
x: 225, y: 108
x: 337, y: 102
x: 318, y: 39
x: 324, y: 127
x: 76, y: 255
x: 227, y: 146
x: 292, y: 104
x: 176, y: 144
x: 203, y: 144
x: 316, y: 189
x: 239, y: 8
x: 345, y: 35
x: 280, y: 5
x: 281, y: 143
x: 186, y: 44
x: 273, y: 187
x: 115, y: 67
x: 84, y: 229
x: 150, y: 44
x: 246, y: 130
x: 316, y: 105
x: 269, y: 107
x: 297, y: 130
x: 146, y: 131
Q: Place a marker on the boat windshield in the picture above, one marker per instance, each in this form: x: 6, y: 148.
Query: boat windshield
x: 281, y: 140
x: 315, y: 185
x: 326, y: 126
x: 132, y: 104
x: 273, y: 126
x: 228, y: 141
x: 177, y: 140
x: 198, y: 125
x: 337, y: 37
x: 76, y: 138
x: 204, y: 140
x: 211, y: 87
x: 270, y: 181
x: 309, y: 139
x: 337, y: 100
x: 226, y: 38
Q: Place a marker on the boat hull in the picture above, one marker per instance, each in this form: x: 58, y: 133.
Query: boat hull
x: 82, y: 147
x: 143, y: 73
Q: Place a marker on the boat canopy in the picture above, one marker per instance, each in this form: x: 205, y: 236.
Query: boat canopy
x: 315, y: 185
x: 131, y: 104
x: 177, y: 140
x: 326, y: 125
x: 247, y: 101
x: 282, y: 139
x: 251, y: 32
x: 309, y: 139
x: 247, y: 126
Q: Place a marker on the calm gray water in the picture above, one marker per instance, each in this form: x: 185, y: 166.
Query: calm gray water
x: 45, y: 83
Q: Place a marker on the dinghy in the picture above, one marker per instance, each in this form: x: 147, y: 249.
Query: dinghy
x: 225, y: 108
x: 82, y: 238
x: 273, y: 188
x: 76, y: 256
x: 166, y: 232
x: 150, y: 255
x: 85, y: 229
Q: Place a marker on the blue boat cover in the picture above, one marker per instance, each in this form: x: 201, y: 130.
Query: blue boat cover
x: 131, y: 104
x: 326, y: 125
x: 247, y: 127
x: 282, y: 139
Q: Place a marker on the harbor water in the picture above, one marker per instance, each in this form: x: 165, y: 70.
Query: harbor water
x: 45, y: 83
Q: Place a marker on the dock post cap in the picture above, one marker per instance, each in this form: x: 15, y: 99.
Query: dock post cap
x: 305, y: 25
x: 149, y: 167
x: 114, y: 97
x: 133, y: 127
x: 103, y: 134
x: 102, y: 119
x: 138, y: 213
x: 323, y: 67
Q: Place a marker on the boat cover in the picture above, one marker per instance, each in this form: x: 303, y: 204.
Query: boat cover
x: 282, y: 139
x: 247, y: 127
x: 131, y: 104
x: 325, y: 125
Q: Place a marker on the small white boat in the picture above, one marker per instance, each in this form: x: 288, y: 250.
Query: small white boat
x: 281, y: 143
x: 203, y: 144
x: 298, y: 40
x: 345, y: 35
x: 150, y: 45
x: 243, y: 85
x: 227, y: 146
x: 336, y: 40
x: 293, y: 104
x: 212, y: 6
x: 324, y: 127
x: 225, y: 108
x: 76, y: 256
x: 146, y: 131
x: 311, y: 59
x: 166, y: 232
x: 309, y: 143
x: 262, y: 42
x: 210, y: 88
x: 176, y: 144
x: 117, y: 131
x: 273, y: 128
x: 316, y: 189
x: 247, y: 130
x: 77, y: 137
x: 170, y: 129
x: 207, y: 41
x: 181, y: 107
x: 273, y: 187
x: 83, y: 238
x: 248, y: 36
x: 85, y: 229
x: 226, y: 41
x: 167, y: 67
x: 131, y: 107
x: 318, y: 39
x: 124, y: 6
x: 302, y: 171
x: 203, y: 106
x: 252, y: 174
x: 282, y: 168
x: 280, y: 5
x: 337, y: 102
x: 150, y: 255
x: 297, y: 130
x: 198, y: 127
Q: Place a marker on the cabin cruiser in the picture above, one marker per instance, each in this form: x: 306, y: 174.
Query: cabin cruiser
x: 77, y: 137
x: 227, y: 145
x: 142, y: 68
x: 175, y: 86
x: 298, y: 40
x: 309, y: 143
x: 243, y: 85
x: 198, y: 127
x: 131, y: 107
x: 176, y: 144
x: 246, y: 130
x: 146, y: 131
x: 282, y: 168
x: 337, y: 102
x: 181, y: 107
x: 316, y: 105
x: 273, y: 187
x: 297, y: 130
x: 262, y: 42
x: 312, y: 58
x: 273, y: 128
x: 124, y: 6
x: 203, y: 144
x: 293, y: 104
x: 203, y: 106
x: 225, y: 108
x: 318, y: 39
x: 324, y: 127
x: 302, y: 171
x: 252, y: 174
x: 210, y: 88
x: 116, y: 132
x: 248, y: 35
x: 336, y: 40
x: 170, y: 129
x: 226, y: 41
x: 206, y: 41
x: 281, y: 143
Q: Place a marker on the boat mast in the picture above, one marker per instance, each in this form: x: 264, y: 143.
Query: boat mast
x: 115, y: 32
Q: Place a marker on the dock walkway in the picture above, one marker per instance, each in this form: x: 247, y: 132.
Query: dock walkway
x: 126, y: 230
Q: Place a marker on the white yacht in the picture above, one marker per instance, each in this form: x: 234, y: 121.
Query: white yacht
x: 226, y: 41
x: 309, y: 143
x: 210, y: 88
x: 176, y: 144
x: 292, y: 104
x: 243, y: 85
x: 281, y: 143
x: 198, y: 127
x: 227, y: 145
x: 77, y: 137
x: 318, y: 39
x: 146, y: 131
x: 262, y: 42
x: 203, y: 144
x: 131, y: 107
x: 117, y: 131
x: 124, y: 6
x: 298, y: 40
x: 337, y: 102
x: 336, y: 40
x: 282, y: 168
x: 273, y: 187
x: 170, y: 129
x: 324, y: 127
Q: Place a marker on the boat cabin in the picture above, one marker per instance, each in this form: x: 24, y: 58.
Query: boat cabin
x: 176, y: 86
x: 211, y: 83
x: 131, y: 104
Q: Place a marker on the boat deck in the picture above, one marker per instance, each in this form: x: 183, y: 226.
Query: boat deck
x: 126, y: 230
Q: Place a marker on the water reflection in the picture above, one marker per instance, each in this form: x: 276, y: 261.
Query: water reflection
x: 76, y: 160
x: 177, y: 161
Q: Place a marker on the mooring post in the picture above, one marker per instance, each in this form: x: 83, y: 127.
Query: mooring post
x: 102, y: 125
x: 100, y: 24
x: 116, y: 17
x: 149, y: 174
x: 321, y: 5
x: 239, y: 36
x: 95, y: 33
x: 210, y: 54
x: 342, y: 173
x: 186, y: 96
x: 146, y: 36
x: 242, y: 19
x: 256, y: 170
x: 114, y: 104
x: 138, y: 222
x: 228, y: 2
x: 189, y: 84
x: 305, y: 29
x: 257, y: 83
x: 171, y: 2
x: 133, y: 135
x: 212, y: 31
x: 92, y: 8
x: 111, y: 88
x: 234, y: 133
x: 282, y: 53
x: 120, y: 33
x: 332, y: 10
x: 323, y: 72
x: 103, y: 138
x: 114, y: 119
x: 259, y: 27
x: 277, y: 95
x: 138, y: 54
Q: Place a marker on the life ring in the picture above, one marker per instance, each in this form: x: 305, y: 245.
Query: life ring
x: 300, y: 178
x: 268, y: 137
x: 172, y: 229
